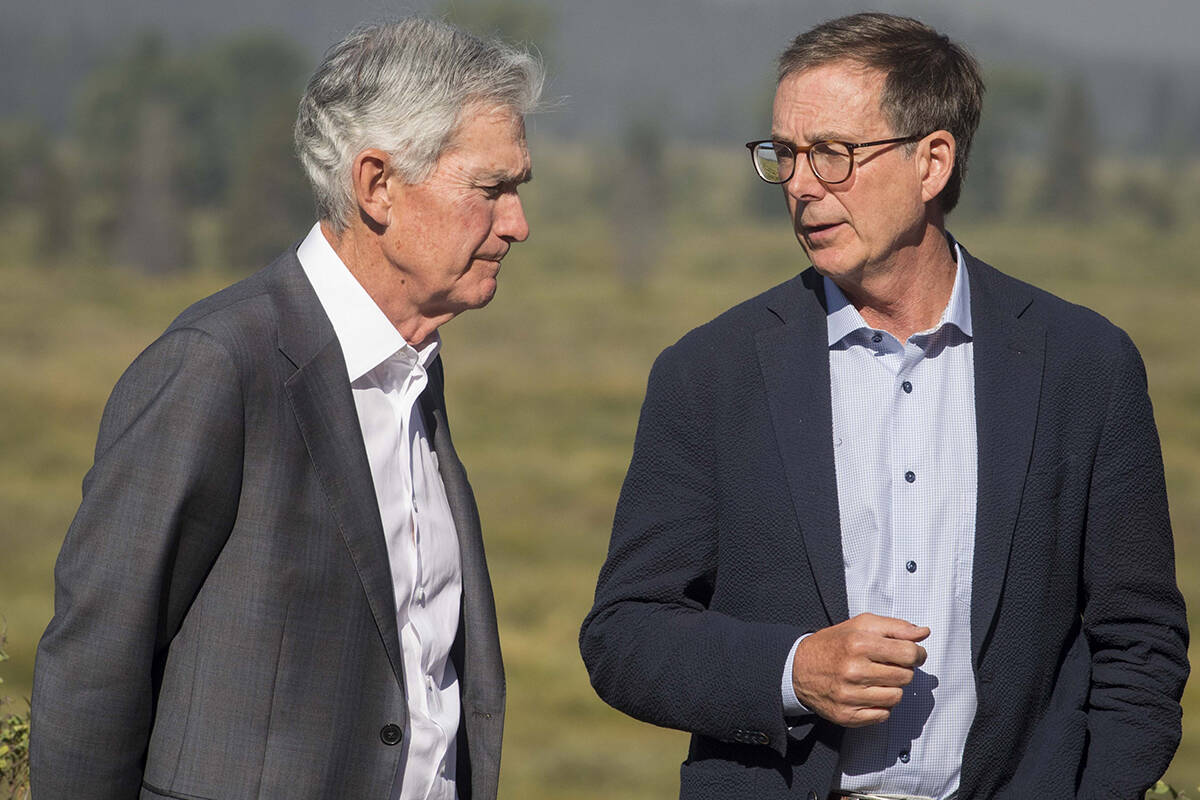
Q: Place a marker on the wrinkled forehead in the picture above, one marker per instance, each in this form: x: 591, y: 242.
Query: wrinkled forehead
x: 489, y: 144
x: 839, y: 97
x: 501, y: 119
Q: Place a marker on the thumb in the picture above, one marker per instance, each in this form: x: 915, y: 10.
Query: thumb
x: 907, y: 631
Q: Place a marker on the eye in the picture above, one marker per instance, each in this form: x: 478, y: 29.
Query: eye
x: 494, y: 191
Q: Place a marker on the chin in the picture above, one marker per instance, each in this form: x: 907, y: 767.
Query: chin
x: 823, y: 261
x: 832, y: 262
x: 483, y: 295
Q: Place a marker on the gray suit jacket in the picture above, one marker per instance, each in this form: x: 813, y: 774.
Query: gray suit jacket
x: 224, y: 616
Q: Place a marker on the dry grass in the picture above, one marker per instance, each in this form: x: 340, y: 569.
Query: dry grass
x: 544, y: 389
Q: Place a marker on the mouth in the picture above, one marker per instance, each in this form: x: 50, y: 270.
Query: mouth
x: 487, y: 262
x: 817, y: 233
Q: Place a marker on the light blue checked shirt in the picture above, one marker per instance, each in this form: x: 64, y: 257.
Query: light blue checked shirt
x: 905, y: 453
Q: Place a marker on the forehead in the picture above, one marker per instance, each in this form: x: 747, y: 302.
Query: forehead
x: 835, y: 100
x: 489, y: 137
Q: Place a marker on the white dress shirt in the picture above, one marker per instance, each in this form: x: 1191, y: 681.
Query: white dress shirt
x: 386, y: 378
x: 906, y: 458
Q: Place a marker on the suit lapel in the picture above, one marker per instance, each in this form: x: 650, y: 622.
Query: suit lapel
x: 321, y: 399
x: 1008, y: 354
x: 480, y: 640
x: 476, y: 651
x: 794, y: 358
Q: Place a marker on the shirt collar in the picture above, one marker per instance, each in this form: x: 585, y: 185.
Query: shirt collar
x: 367, y: 336
x: 842, y: 318
x: 958, y: 310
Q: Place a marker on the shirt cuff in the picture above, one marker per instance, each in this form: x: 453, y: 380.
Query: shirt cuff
x: 792, y: 707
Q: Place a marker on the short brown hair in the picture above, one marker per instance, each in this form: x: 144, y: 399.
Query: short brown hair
x: 932, y: 83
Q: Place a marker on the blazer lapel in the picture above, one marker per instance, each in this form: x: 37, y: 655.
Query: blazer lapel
x: 1008, y: 353
x: 321, y: 399
x: 476, y: 650
x: 794, y: 358
x: 481, y: 656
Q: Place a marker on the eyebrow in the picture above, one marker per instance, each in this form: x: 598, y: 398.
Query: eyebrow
x: 819, y: 136
x: 502, y: 176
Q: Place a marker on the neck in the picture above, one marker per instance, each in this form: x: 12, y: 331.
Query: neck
x: 908, y: 293
x: 361, y: 250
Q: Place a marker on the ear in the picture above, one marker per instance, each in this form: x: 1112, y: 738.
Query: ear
x: 369, y: 174
x: 937, y: 162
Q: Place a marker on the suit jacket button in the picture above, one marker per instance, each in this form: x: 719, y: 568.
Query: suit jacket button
x: 391, y: 734
x: 811, y: 795
x: 761, y: 738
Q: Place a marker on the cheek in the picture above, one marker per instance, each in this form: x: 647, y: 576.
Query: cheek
x: 887, y: 212
x: 472, y: 215
x: 904, y: 196
x: 483, y: 225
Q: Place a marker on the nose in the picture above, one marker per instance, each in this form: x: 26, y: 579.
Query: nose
x: 804, y: 183
x: 511, y: 224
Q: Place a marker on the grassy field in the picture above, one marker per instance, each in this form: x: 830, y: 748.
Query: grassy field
x: 544, y: 388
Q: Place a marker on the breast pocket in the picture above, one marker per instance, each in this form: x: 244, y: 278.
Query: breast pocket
x: 1048, y: 537
x: 1051, y: 498
x: 1046, y: 482
x: 153, y: 793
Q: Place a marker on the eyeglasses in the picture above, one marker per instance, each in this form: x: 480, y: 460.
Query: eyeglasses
x: 831, y: 162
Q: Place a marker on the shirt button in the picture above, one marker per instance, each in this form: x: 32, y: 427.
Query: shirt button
x: 910, y: 476
x: 911, y: 566
x: 391, y: 734
x: 420, y: 596
x: 877, y: 338
x: 904, y: 756
x: 907, y: 387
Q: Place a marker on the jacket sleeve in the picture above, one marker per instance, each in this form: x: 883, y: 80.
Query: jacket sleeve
x: 652, y: 646
x: 1133, y: 613
x: 158, y: 505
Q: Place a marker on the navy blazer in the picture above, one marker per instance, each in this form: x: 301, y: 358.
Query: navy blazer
x: 726, y: 546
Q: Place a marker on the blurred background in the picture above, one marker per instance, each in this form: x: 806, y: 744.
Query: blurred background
x: 145, y: 161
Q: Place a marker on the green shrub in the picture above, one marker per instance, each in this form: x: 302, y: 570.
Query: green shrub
x: 14, y: 747
x: 1162, y: 789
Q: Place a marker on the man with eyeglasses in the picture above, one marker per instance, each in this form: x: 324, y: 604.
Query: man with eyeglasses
x: 896, y: 528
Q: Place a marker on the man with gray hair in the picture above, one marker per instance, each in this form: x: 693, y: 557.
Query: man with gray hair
x: 275, y: 586
x: 896, y: 528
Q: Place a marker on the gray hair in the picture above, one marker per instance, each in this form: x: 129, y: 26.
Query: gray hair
x: 402, y: 87
x: 932, y: 83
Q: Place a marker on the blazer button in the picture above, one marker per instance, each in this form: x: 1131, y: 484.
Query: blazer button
x: 811, y: 795
x: 391, y: 734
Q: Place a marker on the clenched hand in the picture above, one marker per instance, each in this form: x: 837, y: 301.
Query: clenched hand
x: 855, y: 672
